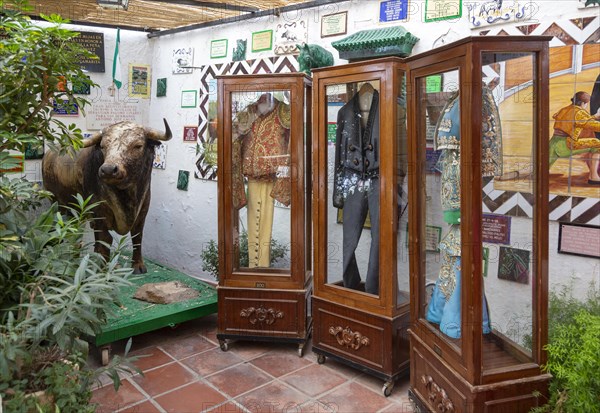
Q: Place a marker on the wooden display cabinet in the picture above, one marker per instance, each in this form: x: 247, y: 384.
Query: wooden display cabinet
x: 265, y: 260
x: 491, y: 137
x: 361, y: 300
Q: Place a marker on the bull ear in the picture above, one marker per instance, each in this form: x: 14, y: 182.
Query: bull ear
x: 93, y: 140
x: 158, y: 136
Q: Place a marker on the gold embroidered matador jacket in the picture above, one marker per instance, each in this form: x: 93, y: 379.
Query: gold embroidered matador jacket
x: 261, y: 144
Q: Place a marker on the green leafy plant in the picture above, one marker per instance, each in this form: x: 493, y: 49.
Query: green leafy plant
x: 54, y: 290
x: 38, y: 66
x: 573, y: 349
x: 210, y: 254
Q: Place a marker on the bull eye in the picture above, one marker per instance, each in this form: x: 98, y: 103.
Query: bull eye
x: 138, y: 146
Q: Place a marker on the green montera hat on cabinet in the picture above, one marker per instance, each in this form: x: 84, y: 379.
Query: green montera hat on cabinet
x: 366, y: 44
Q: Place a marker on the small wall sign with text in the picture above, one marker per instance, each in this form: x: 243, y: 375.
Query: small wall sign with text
x: 442, y: 10
x: 188, y: 98
x: 579, y: 239
x: 393, y: 10
x: 64, y: 108
x: 262, y: 40
x: 218, y: 48
x: 495, y: 229
x: 94, y: 43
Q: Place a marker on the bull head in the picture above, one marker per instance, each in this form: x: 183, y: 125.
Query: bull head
x: 150, y: 134
x: 125, y: 148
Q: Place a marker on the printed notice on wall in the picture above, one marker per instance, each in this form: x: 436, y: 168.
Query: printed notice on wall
x: 94, y: 43
x: 579, y: 240
x: 107, y: 111
x: 393, y: 10
x: 495, y: 229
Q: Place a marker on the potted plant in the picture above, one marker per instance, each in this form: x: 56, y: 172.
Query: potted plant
x: 54, y: 290
x: 210, y: 254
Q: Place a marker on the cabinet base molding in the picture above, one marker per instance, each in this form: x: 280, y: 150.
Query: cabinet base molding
x: 263, y: 315
x: 436, y: 387
x: 367, y: 342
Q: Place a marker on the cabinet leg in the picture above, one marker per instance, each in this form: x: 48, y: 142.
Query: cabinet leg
x: 300, y: 349
x: 415, y: 406
x: 321, y: 359
x: 223, y: 344
x: 388, y: 387
x: 105, y: 354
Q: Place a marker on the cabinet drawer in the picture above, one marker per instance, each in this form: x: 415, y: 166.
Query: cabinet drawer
x: 351, y: 338
x: 262, y: 313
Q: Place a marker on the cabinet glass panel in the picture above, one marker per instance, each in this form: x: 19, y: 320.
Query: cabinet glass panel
x: 438, y: 128
x: 402, y: 195
x: 309, y: 245
x: 507, y: 167
x: 353, y: 118
x: 261, y: 186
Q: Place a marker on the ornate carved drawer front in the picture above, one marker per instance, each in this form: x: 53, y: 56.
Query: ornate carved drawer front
x: 439, y: 394
x: 353, y: 338
x: 279, y: 314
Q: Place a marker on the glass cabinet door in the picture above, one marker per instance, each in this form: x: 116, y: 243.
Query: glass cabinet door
x: 353, y: 155
x: 261, y: 180
x: 401, y: 194
x: 439, y: 145
x: 508, y: 164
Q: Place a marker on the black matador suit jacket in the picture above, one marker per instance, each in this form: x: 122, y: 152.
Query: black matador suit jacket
x: 356, y: 148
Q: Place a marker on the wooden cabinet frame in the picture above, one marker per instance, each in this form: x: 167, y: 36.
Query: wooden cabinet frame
x: 351, y: 313
x: 444, y: 375
x: 266, y: 304
x: 441, y: 372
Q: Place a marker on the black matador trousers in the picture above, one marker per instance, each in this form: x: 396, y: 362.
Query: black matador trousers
x: 356, y: 206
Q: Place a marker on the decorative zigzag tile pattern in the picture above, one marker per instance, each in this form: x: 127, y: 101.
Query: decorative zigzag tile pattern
x: 567, y: 209
x: 277, y: 64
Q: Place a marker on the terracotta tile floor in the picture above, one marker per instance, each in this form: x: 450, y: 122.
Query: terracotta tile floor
x: 186, y: 372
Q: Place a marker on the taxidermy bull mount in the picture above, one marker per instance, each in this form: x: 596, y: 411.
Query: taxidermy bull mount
x: 114, y: 168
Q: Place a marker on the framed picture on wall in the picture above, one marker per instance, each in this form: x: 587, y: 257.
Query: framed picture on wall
x: 161, y: 87
x: 334, y: 24
x: 181, y: 58
x: 190, y: 133
x: 262, y: 40
x: 139, y: 80
x: 514, y: 265
x: 579, y: 239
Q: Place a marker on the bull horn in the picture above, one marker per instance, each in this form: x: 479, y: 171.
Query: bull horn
x: 92, y: 140
x: 159, y: 136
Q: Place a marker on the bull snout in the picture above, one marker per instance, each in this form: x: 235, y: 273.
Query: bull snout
x: 109, y: 172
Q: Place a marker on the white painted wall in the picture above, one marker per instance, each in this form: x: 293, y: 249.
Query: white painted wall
x: 180, y: 223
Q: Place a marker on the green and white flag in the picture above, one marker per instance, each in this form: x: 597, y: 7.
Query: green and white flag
x: 116, y: 70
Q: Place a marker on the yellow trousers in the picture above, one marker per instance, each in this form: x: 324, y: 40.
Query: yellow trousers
x: 260, y: 222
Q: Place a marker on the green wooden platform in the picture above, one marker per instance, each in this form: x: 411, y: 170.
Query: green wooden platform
x: 135, y: 317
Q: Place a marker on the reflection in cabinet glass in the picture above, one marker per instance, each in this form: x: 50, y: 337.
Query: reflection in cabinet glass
x: 478, y: 346
x: 360, y: 304
x: 264, y: 236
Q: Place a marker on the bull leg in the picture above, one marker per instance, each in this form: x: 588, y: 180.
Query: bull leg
x: 137, y: 232
x: 103, y: 241
x: 138, y: 261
